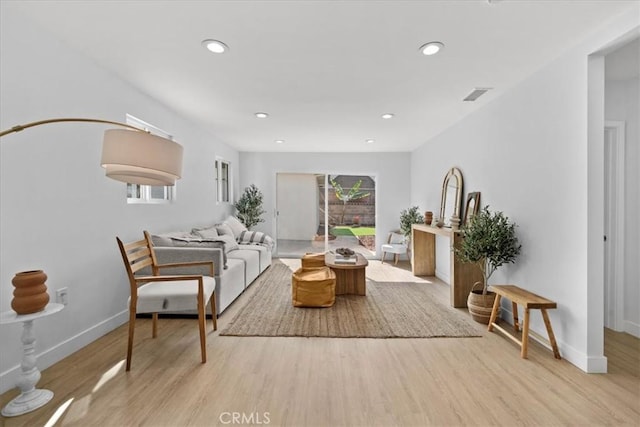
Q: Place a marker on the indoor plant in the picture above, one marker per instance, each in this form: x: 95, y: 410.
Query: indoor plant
x: 249, y: 206
x: 488, y: 241
x: 408, y: 217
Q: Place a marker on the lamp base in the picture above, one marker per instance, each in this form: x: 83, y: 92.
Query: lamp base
x: 27, y: 402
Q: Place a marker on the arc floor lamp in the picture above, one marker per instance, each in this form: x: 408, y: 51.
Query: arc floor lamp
x: 129, y: 155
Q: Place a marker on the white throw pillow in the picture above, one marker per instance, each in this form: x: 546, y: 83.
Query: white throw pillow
x: 256, y: 238
x: 397, y: 239
x: 224, y: 230
x: 237, y: 227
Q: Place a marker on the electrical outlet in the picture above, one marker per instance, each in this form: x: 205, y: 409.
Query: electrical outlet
x: 62, y: 296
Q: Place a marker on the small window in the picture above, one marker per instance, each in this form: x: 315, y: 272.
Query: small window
x: 223, y: 181
x: 137, y: 193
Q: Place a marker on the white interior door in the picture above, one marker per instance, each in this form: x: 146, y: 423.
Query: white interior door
x: 297, y: 206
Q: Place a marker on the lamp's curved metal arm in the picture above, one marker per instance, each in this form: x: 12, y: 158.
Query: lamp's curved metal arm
x: 133, y: 157
x: 18, y: 128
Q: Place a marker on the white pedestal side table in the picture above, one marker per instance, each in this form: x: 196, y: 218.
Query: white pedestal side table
x: 30, y: 397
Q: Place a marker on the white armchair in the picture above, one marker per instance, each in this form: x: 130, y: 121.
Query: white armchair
x: 396, y: 244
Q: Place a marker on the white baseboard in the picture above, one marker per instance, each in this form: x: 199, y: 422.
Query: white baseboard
x: 632, y: 328
x: 588, y: 364
x: 442, y: 276
x: 58, y: 352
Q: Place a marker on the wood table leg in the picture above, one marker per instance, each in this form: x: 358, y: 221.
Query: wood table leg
x: 552, y: 338
x: 494, y: 311
x: 154, y: 325
x: 525, y: 334
x: 351, y: 281
x: 516, y: 325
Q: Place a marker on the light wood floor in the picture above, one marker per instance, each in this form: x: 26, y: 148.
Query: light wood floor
x: 332, y: 382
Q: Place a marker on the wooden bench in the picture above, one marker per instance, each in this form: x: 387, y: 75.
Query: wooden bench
x: 528, y: 301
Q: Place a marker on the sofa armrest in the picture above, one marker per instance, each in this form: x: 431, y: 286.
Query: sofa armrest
x: 168, y: 255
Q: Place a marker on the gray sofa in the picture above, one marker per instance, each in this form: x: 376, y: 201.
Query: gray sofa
x: 239, y: 256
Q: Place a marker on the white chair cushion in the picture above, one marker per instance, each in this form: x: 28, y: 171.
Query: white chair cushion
x: 394, y: 248
x: 180, y: 295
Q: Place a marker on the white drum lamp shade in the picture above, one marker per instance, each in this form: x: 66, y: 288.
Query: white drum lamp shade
x: 132, y: 156
x: 141, y: 158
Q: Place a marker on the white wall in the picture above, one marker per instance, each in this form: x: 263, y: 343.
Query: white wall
x: 527, y: 152
x: 621, y: 104
x: 297, y: 204
x: 58, y: 211
x: 390, y: 169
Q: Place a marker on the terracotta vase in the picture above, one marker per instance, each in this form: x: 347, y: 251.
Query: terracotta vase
x: 428, y: 217
x: 30, y: 293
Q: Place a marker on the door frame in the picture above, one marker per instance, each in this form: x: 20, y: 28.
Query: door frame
x: 615, y: 227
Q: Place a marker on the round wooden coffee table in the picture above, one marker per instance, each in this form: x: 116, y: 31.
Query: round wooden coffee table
x: 350, y: 278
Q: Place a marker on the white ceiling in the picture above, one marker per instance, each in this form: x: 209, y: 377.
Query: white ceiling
x: 325, y: 71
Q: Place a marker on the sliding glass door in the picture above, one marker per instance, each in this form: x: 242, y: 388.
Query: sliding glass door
x: 319, y: 212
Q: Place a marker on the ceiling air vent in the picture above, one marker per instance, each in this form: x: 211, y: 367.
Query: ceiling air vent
x: 477, y: 93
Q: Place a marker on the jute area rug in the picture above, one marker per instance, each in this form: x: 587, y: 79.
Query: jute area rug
x: 389, y: 310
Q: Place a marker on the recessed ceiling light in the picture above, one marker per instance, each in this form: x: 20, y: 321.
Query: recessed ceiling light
x: 370, y: 141
x: 262, y: 115
x: 215, y: 46
x: 431, y: 48
x: 279, y: 141
x: 387, y: 115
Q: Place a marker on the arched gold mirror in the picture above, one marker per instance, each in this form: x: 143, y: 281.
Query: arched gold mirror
x: 451, y: 202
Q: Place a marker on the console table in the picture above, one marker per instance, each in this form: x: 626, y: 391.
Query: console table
x: 423, y: 261
x: 30, y: 397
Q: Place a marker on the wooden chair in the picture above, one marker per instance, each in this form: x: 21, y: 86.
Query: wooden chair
x: 160, y: 293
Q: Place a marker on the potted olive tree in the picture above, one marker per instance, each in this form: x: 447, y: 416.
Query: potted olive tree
x: 488, y: 241
x: 249, y: 206
x: 408, y: 217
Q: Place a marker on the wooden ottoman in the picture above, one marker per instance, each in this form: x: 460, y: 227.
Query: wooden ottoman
x: 313, y: 287
x: 313, y: 260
